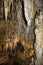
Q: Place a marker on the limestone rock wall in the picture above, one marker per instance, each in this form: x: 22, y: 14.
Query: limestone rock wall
x: 21, y: 34
x: 39, y: 38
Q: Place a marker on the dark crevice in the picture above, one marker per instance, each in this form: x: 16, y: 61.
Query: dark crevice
x: 23, y: 13
x: 20, y: 46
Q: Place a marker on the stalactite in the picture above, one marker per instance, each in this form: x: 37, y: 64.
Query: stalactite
x: 20, y: 16
x: 30, y: 12
x: 7, y: 4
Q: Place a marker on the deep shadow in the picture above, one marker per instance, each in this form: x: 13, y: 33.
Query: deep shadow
x: 23, y: 14
x: 20, y: 46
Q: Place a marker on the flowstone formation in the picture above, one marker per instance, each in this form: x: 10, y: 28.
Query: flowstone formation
x: 21, y: 32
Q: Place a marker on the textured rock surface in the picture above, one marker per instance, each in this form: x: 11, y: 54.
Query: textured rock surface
x: 39, y: 38
x: 21, y: 35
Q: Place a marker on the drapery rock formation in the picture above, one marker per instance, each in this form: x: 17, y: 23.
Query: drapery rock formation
x: 21, y: 32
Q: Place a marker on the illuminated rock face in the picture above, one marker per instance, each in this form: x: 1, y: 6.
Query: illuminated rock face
x: 29, y: 12
x: 23, y: 40
x: 33, y: 7
x: 7, y: 4
x: 39, y: 38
